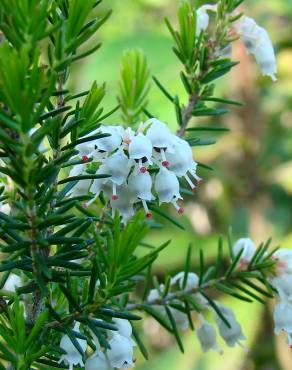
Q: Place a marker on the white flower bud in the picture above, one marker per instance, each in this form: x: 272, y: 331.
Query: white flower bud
x: 257, y: 42
x: 72, y: 356
x: 283, y: 317
x: 140, y: 149
x: 120, y: 354
x: 232, y: 335
x: 192, y: 280
x: 159, y: 134
x: 203, y: 17
x: 97, y: 361
x: 248, y: 247
x: 207, y: 336
x: 167, y: 188
x: 13, y: 282
x: 109, y: 143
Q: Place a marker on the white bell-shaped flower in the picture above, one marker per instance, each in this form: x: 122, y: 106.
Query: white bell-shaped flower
x: 257, y: 42
x: 155, y: 296
x: 118, y: 166
x: 283, y: 257
x: 121, y: 352
x: 13, y: 282
x: 206, y: 334
x: 140, y: 185
x: 99, y: 185
x: 81, y: 188
x: 192, y: 283
x: 192, y: 280
x: 112, y: 142
x: 167, y: 188
x: 87, y: 149
x: 283, y: 285
x: 283, y: 317
x: 232, y: 335
x: 77, y: 170
x: 161, y: 139
x: 180, y: 161
x: 72, y: 356
x: 124, y: 327
x: 123, y: 202
x: 203, y: 17
x: 140, y: 149
x: 97, y: 361
x: 248, y: 247
x: 180, y: 319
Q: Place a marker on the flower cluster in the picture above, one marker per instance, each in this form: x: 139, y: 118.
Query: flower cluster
x: 255, y: 38
x: 119, y: 356
x: 281, y: 280
x: 206, y: 332
x: 142, y: 166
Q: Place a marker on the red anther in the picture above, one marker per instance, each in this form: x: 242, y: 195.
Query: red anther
x: 180, y: 211
x: 165, y: 163
x: 143, y: 169
x: 85, y: 158
x: 200, y: 182
x: 148, y: 215
x: 194, y: 190
x: 115, y: 197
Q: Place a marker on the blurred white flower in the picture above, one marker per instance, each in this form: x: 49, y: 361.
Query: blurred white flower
x: 283, y: 317
x: 13, y: 282
x: 192, y: 280
x: 72, y: 356
x: 206, y: 334
x: 97, y: 361
x: 284, y: 261
x: 203, y: 17
x: 283, y: 284
x: 232, y: 335
x: 257, y: 42
x: 120, y: 354
x: 247, y: 246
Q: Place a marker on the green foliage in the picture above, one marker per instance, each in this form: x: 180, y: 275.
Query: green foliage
x: 133, y: 85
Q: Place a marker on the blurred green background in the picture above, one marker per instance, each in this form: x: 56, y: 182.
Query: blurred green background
x: 250, y: 188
